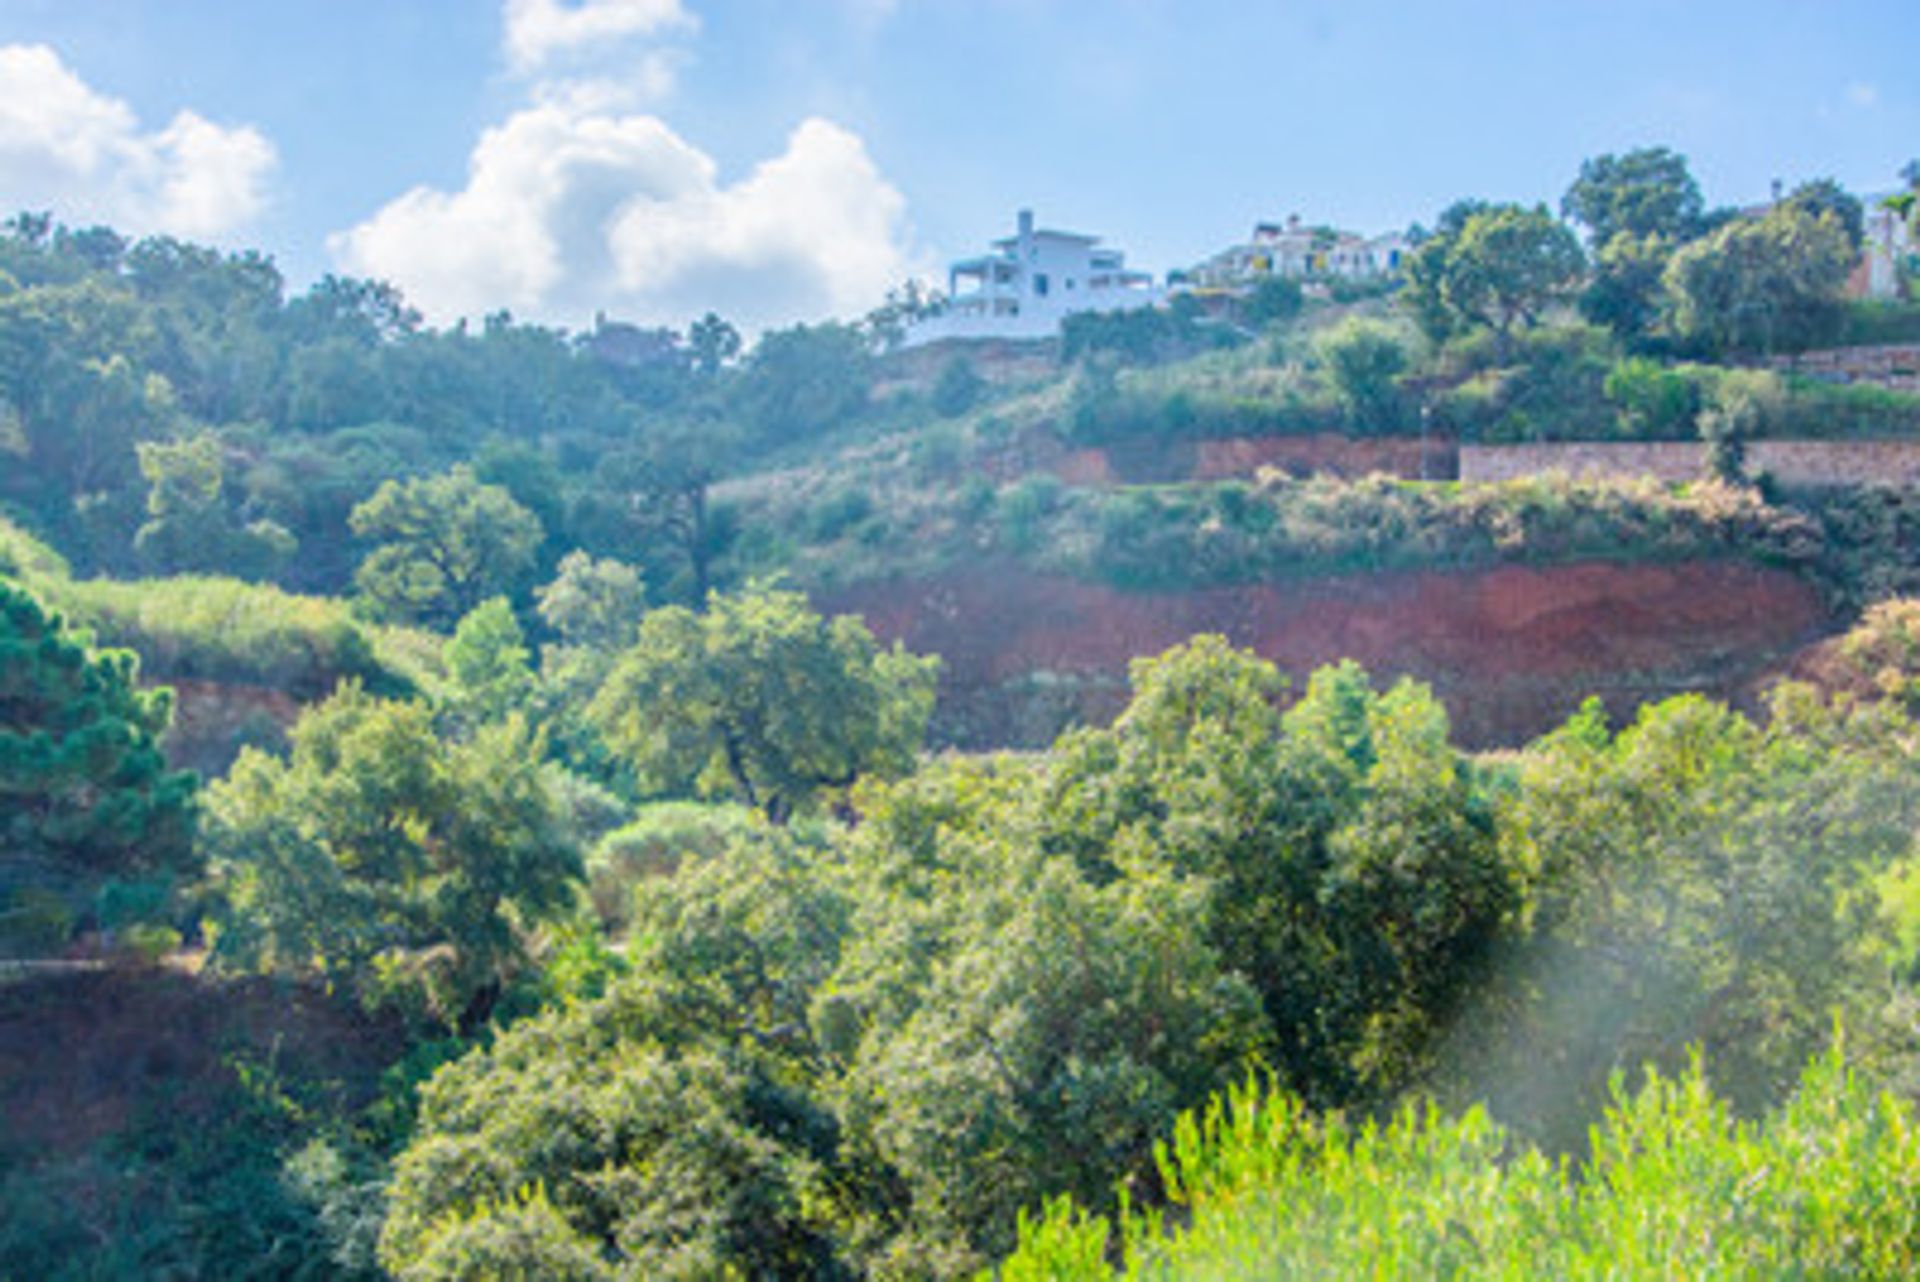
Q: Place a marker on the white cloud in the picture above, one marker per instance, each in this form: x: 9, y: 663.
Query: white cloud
x: 568, y: 211
x: 538, y: 31
x: 82, y: 154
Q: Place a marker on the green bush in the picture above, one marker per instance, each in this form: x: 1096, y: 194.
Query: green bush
x: 216, y: 629
x: 1655, y: 402
x: 658, y: 840
x: 1185, y: 536
x: 1675, y: 1187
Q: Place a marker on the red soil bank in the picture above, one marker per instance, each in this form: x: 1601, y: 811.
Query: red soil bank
x: 1511, y: 650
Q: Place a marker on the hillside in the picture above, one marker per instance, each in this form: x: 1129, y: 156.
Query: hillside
x: 495, y: 801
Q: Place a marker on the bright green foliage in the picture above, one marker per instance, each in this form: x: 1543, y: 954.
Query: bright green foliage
x: 763, y: 700
x: 592, y: 602
x: 1348, y: 849
x: 1765, y: 284
x: 668, y: 1122
x: 661, y: 837
x: 405, y: 868
x: 1822, y: 1187
x: 24, y: 557
x: 85, y: 795
x: 1504, y: 266
x: 1656, y: 402
x: 489, y: 668
x: 520, y: 1240
x: 1695, y: 879
x: 446, y: 543
x: 189, y: 525
x: 215, y: 629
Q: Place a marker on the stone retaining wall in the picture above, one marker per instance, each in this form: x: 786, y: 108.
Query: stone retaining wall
x: 1809, y: 464
x: 1893, y: 365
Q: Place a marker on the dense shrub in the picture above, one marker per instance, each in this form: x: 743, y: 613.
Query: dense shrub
x: 1676, y: 1187
x: 1185, y: 536
x: 217, y: 629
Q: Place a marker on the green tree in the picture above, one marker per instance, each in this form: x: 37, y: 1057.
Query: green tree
x: 669, y: 1123
x: 714, y: 343
x: 1494, y: 266
x: 190, y: 526
x: 489, y: 667
x: 1761, y: 284
x: 799, y: 382
x: 408, y: 869
x: 959, y: 387
x: 445, y: 544
x: 1696, y: 880
x: 1648, y: 192
x: 85, y: 795
x: 762, y: 699
x: 1365, y: 360
x: 1510, y: 263
x: 1350, y: 850
x: 1626, y: 292
x: 1825, y: 196
x: 595, y: 603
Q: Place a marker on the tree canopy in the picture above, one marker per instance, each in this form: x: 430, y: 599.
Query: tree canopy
x: 761, y: 699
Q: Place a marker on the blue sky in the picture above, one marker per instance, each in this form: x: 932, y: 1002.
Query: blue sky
x: 787, y: 159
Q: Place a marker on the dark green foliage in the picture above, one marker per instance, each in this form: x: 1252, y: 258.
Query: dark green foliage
x: 1764, y: 284
x: 959, y: 387
x: 1648, y: 192
x: 803, y: 381
x: 1348, y: 849
x: 1235, y: 533
x: 1655, y: 401
x: 1274, y: 301
x: 85, y: 796
x: 1140, y: 335
x: 1503, y: 266
x: 1365, y: 361
x: 666, y: 1140
x: 1823, y: 197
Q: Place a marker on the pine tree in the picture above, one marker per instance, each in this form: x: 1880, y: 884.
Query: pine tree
x: 85, y: 795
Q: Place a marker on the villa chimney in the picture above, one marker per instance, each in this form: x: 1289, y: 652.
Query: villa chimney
x: 1026, y: 223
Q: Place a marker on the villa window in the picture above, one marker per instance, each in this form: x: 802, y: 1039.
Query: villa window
x: 1040, y: 284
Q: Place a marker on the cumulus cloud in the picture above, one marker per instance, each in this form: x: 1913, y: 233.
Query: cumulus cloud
x: 84, y: 155
x: 539, y: 31
x: 568, y: 211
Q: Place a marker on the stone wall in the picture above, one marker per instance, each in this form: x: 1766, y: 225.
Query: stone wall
x: 1810, y: 464
x: 1894, y: 365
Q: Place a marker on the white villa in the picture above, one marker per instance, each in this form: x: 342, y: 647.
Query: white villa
x: 1889, y: 249
x: 1301, y: 253
x: 1032, y: 281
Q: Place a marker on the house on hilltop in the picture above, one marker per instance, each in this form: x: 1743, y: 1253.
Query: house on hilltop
x: 1300, y: 252
x: 1031, y: 282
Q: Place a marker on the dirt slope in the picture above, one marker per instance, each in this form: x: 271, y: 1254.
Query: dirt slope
x: 1512, y: 650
